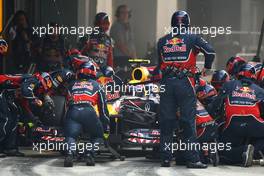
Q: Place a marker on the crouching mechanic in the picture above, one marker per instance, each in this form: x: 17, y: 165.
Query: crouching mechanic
x: 35, y: 92
x: 240, y: 102
x: 84, y: 97
x: 9, y: 115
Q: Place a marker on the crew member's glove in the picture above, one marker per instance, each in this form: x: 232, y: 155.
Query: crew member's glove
x: 106, y: 132
x: 37, y: 102
x: 206, y: 72
x: 3, y: 46
x: 48, y: 107
x: 48, y: 101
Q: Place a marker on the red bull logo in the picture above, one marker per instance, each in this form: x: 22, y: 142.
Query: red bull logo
x: 101, y: 46
x: 244, y: 92
x: 174, y: 41
x: 245, y: 89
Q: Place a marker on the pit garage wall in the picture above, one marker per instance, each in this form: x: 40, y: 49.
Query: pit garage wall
x: 82, y: 12
x: 252, y: 14
x: 66, y: 12
x: 149, y: 17
x: 143, y: 22
x: 242, y: 15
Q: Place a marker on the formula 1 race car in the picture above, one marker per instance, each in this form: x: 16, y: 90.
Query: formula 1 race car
x: 137, y: 122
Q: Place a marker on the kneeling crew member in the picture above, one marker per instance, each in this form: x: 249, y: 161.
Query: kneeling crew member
x: 85, y: 94
x: 240, y: 102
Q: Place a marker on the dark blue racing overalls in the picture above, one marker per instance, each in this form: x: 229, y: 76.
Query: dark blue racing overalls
x: 8, y: 112
x: 240, y: 104
x: 8, y: 122
x: 85, y: 96
x: 177, y: 61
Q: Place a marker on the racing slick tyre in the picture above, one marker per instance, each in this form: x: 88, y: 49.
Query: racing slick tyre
x: 122, y: 158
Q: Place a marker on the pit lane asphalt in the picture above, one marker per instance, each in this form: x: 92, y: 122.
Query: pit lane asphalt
x: 51, y: 163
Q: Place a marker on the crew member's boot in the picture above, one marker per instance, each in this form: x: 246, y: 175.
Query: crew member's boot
x: 89, y: 159
x: 68, y: 161
x: 214, y: 158
x: 196, y: 165
x: 14, y: 152
x: 2, y: 154
x: 247, y: 156
x: 165, y: 163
